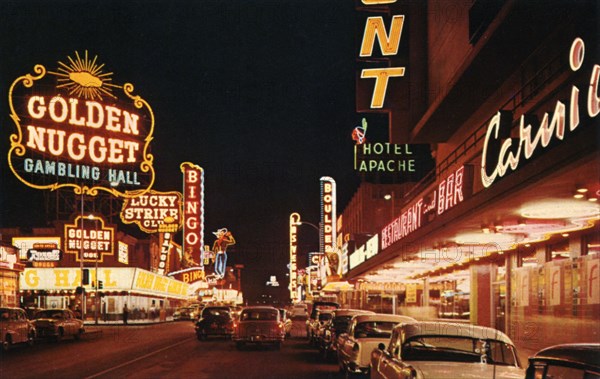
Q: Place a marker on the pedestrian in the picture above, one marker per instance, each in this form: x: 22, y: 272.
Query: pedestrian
x: 125, y: 314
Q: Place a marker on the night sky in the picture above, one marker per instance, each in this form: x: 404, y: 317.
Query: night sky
x: 260, y: 94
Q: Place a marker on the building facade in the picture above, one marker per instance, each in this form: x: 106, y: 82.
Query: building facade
x: 504, y: 232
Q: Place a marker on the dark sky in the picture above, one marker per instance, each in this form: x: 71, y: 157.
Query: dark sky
x: 258, y: 93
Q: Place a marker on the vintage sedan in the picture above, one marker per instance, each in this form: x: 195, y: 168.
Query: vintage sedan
x: 573, y: 361
x: 428, y: 350
x: 337, y: 325
x: 259, y: 325
x: 365, y: 332
x: 57, y: 324
x: 214, y: 321
x: 318, y: 307
x: 15, y: 328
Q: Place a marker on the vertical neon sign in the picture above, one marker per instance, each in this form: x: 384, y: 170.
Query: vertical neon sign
x: 328, y: 217
x: 193, y: 210
x: 294, y: 222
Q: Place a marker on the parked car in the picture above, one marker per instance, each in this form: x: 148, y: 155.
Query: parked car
x: 214, y: 321
x: 183, y: 313
x: 259, y: 325
x: 57, y: 324
x: 15, y: 328
x: 287, y: 322
x: 573, y: 361
x: 318, y: 325
x: 364, y: 333
x: 337, y: 325
x: 427, y: 350
x: 312, y: 322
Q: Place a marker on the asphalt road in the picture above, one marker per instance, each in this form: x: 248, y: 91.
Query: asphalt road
x: 168, y: 350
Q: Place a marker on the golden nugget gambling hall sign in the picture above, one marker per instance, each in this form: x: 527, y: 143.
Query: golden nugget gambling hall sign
x: 75, y: 128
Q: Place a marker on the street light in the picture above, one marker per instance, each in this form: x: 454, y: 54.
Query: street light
x: 391, y: 196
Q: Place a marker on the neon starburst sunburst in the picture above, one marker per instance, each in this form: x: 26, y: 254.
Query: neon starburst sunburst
x: 83, y: 77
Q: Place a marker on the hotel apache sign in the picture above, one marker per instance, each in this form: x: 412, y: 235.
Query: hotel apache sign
x: 76, y: 128
x: 150, y: 210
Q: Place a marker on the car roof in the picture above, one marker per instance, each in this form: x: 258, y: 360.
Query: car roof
x: 434, y: 328
x: 258, y: 307
x: 351, y: 312
x: 587, y: 353
x: 384, y: 317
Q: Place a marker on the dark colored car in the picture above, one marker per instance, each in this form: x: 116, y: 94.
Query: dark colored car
x: 573, y: 361
x: 214, y: 321
x: 57, y: 324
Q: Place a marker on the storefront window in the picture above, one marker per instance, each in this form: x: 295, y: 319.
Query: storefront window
x: 559, y: 251
x: 526, y: 256
x: 592, y: 244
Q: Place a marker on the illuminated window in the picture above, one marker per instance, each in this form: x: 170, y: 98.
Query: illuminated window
x: 526, y: 256
x: 558, y: 251
x: 591, y: 244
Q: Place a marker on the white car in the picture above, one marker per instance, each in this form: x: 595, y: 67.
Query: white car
x: 365, y: 333
x: 441, y: 350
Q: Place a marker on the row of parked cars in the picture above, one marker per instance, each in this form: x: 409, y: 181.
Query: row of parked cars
x: 384, y: 346
x: 258, y: 325
x: 17, y: 328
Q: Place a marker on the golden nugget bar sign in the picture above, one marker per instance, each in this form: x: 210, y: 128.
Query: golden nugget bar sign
x: 75, y: 128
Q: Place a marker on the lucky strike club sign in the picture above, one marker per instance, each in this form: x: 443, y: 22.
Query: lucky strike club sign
x: 75, y: 128
x: 149, y: 211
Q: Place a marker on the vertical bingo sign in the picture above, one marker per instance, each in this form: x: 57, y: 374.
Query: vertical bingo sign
x: 193, y: 210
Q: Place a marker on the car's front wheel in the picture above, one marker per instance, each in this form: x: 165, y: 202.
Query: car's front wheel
x: 7, y: 344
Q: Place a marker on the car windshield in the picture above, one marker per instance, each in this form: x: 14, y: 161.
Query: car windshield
x: 325, y: 316
x: 259, y: 315
x: 215, y: 312
x: 49, y: 314
x: 340, y: 323
x: 374, y: 329
x: 458, y: 349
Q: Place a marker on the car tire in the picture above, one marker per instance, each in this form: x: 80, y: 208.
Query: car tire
x: 239, y: 345
x: 31, y: 338
x: 59, y: 335
x: 78, y: 335
x: 7, y: 344
x: 278, y: 346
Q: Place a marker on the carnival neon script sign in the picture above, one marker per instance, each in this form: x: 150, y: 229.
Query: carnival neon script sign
x: 531, y: 139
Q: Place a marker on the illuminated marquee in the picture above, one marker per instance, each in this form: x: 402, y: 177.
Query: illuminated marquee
x: 68, y: 135
x: 193, y: 210
x: 450, y: 191
x: 366, y: 251
x: 24, y: 244
x: 89, y: 235
x: 294, y: 222
x: 502, y: 155
x: 150, y: 210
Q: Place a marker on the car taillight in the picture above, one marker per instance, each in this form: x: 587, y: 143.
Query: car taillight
x: 280, y: 326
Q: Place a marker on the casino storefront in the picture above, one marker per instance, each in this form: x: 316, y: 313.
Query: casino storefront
x: 505, y: 231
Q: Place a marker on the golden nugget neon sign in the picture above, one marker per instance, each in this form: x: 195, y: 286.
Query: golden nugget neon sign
x: 71, y: 138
